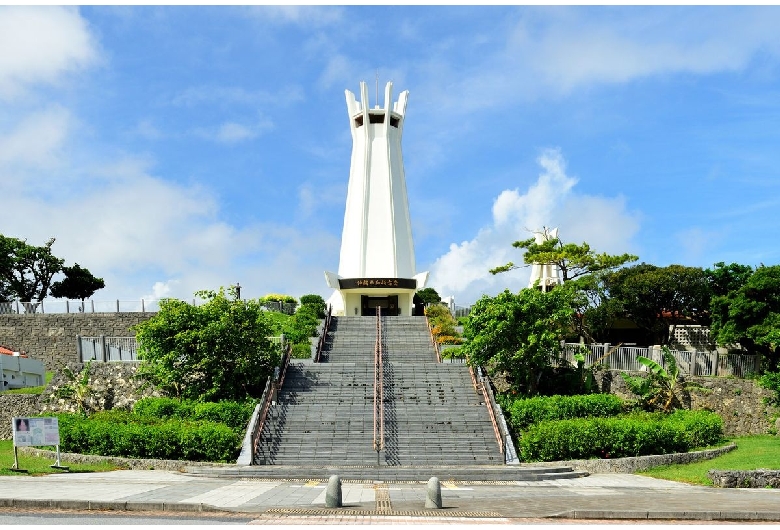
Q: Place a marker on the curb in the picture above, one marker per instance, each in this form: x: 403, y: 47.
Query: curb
x: 178, y: 507
x: 693, y: 515
x: 128, y: 506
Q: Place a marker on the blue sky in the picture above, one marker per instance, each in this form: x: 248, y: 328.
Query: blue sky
x: 172, y: 149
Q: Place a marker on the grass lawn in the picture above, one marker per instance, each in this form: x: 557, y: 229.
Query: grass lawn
x: 752, y: 452
x: 40, y: 466
x: 31, y: 389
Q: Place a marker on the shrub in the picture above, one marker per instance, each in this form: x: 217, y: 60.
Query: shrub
x: 631, y: 435
x: 526, y: 412
x: 771, y: 381
x: 170, y: 439
x: 233, y: 414
x: 302, y: 350
x: 316, y: 302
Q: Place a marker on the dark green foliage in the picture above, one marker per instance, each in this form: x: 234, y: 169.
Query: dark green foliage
x: 750, y: 315
x: 429, y: 295
x: 655, y: 298
x: 124, y: 434
x: 526, y: 411
x: 572, y: 260
x: 316, y: 301
x: 302, y: 350
x: 218, y: 350
x: 518, y: 333
x: 26, y: 271
x: 771, y: 381
x: 233, y: 414
x: 78, y: 284
x: 632, y: 435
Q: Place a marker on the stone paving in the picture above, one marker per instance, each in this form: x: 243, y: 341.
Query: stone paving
x: 604, y: 497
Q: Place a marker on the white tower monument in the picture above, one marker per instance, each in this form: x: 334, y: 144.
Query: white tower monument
x: 376, y: 265
x: 547, y: 274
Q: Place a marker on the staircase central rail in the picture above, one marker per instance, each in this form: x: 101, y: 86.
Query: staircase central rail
x: 324, y: 335
x: 379, y: 415
x: 433, y: 340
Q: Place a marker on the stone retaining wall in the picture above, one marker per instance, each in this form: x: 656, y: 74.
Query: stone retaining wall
x: 125, y: 463
x: 15, y: 405
x: 759, y: 478
x: 114, y: 385
x: 51, y: 338
x: 640, y: 463
x: 740, y: 402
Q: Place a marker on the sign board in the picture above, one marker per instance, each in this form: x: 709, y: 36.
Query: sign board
x: 35, y: 431
x: 377, y: 283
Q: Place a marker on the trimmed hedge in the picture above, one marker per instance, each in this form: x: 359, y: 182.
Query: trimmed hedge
x: 233, y: 414
x: 525, y: 412
x: 118, y: 433
x: 631, y: 435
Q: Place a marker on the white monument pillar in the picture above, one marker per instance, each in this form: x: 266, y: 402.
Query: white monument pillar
x: 376, y: 264
x: 547, y: 274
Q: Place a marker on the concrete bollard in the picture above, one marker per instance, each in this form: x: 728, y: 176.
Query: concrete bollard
x: 433, y: 493
x: 333, y: 492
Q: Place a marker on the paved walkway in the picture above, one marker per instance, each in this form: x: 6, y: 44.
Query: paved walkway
x: 607, y: 496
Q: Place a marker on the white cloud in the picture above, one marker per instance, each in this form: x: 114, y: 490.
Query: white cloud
x: 37, y: 139
x: 553, y: 52
x: 231, y: 132
x: 309, y: 16
x: 214, y: 94
x: 551, y: 201
x: 149, y: 238
x: 41, y: 45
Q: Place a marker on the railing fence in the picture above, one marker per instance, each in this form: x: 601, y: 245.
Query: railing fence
x: 689, y: 363
x: 124, y: 349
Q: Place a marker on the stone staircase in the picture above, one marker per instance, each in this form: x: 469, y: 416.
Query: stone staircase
x: 434, y: 419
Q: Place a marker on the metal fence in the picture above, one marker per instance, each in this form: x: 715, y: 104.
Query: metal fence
x: 43, y: 307
x: 106, y: 349
x: 124, y: 349
x: 689, y: 363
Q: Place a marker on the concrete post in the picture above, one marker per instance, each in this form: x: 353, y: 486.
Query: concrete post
x: 79, y: 351
x: 433, y: 494
x: 103, y: 349
x: 333, y: 492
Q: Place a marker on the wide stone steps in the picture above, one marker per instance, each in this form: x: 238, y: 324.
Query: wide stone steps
x: 324, y: 413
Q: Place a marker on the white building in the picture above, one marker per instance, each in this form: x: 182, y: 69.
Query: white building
x: 376, y: 264
x: 547, y: 274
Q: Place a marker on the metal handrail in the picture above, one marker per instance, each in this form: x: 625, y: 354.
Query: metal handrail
x: 473, y: 378
x: 272, y: 387
x: 487, y: 392
x: 379, y: 417
x: 324, y: 335
x: 433, y: 340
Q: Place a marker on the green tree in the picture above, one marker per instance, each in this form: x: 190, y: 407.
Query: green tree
x: 429, y: 296
x: 726, y: 278
x: 78, y: 284
x: 218, y: 350
x: 26, y: 271
x: 750, y: 315
x: 573, y: 260
x: 518, y: 334
x: 657, y: 298
x: 316, y: 301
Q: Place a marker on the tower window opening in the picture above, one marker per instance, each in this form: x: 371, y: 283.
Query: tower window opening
x: 376, y: 118
x: 359, y: 121
x: 394, y: 121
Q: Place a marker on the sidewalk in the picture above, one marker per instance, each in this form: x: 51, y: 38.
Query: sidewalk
x: 605, y: 496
